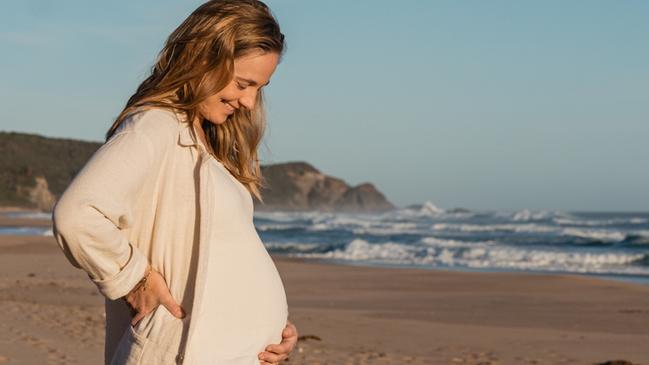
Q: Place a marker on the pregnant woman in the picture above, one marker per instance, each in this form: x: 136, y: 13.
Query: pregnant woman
x: 161, y: 216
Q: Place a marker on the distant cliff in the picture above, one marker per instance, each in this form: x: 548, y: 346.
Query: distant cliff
x: 35, y: 170
x: 298, y: 186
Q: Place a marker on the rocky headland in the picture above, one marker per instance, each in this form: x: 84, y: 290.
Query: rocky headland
x: 35, y: 170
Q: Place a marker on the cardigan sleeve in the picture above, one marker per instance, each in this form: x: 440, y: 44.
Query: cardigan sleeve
x: 100, y: 202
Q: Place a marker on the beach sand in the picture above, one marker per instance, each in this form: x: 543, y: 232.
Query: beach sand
x: 50, y: 313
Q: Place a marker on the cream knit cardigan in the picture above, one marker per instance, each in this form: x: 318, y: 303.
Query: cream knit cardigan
x: 134, y: 202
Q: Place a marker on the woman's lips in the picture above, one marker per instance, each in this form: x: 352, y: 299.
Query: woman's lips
x: 229, y: 108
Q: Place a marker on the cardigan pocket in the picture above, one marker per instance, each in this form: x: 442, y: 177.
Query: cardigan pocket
x: 158, y: 353
x: 139, y: 350
x: 130, y: 348
x: 156, y: 332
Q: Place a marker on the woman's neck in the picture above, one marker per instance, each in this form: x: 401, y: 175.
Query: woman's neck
x: 200, y: 134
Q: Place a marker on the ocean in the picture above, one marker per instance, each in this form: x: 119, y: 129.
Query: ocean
x: 611, y: 245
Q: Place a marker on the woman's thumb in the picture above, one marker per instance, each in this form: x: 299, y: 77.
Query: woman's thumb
x: 173, y: 308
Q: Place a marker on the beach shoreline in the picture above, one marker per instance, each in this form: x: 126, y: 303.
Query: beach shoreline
x: 355, y: 314
x: 7, y: 221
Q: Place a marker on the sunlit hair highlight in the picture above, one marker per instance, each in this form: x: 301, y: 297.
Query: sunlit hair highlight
x: 197, y: 61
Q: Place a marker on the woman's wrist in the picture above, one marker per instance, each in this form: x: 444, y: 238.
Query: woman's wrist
x: 143, y: 283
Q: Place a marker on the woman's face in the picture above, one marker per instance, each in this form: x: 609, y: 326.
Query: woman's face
x: 251, y: 73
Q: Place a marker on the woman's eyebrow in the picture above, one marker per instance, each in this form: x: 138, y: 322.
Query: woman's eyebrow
x: 252, y: 82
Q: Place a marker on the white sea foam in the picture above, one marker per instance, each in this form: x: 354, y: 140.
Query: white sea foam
x: 487, y: 256
x: 361, y: 250
x: 292, y: 246
x: 344, y: 220
x: 389, y: 228
x: 600, y: 222
x: 596, y: 235
x: 526, y: 215
x: 433, y: 251
x: 446, y: 243
x: 643, y: 232
x: 582, y: 262
x: 528, y: 227
x: 277, y: 226
x: 319, y: 227
x: 642, y: 237
x: 593, y: 234
x: 282, y: 216
x: 427, y: 209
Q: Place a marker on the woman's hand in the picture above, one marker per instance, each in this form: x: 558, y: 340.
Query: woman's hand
x: 144, y: 300
x: 279, y: 352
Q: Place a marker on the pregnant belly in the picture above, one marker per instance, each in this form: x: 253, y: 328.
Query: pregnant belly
x: 244, y: 306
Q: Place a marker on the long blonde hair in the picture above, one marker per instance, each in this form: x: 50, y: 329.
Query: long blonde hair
x: 196, y: 62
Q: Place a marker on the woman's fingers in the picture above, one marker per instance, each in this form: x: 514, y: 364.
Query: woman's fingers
x: 282, y: 348
x: 166, y: 298
x: 171, y: 305
x: 289, y: 330
x: 289, y: 340
x: 272, y: 357
x: 137, y: 318
x: 168, y: 301
x: 156, y: 293
x: 275, y: 353
x: 289, y: 334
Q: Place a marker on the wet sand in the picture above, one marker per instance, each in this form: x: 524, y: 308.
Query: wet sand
x: 50, y: 313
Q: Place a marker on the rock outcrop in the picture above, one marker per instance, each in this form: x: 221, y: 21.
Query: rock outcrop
x: 298, y: 186
x: 39, y: 195
x: 35, y: 170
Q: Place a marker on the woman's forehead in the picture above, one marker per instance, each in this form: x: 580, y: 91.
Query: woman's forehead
x: 256, y: 68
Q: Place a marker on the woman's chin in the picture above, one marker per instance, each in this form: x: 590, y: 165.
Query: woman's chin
x: 219, y: 120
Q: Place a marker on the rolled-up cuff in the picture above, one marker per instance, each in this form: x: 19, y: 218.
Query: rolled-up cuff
x: 121, y: 283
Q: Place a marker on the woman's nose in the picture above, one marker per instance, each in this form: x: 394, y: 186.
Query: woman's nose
x: 248, y: 100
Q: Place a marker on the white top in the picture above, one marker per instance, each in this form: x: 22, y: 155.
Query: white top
x: 244, y: 306
x: 152, y: 193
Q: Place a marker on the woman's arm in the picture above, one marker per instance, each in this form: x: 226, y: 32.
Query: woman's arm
x: 101, y: 201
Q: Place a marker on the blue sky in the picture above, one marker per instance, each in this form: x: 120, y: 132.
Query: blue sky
x: 480, y: 104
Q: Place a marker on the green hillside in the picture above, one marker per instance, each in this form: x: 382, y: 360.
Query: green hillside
x: 35, y: 170
x: 23, y: 157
